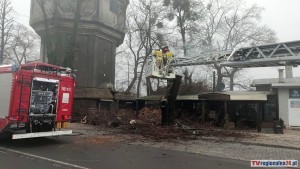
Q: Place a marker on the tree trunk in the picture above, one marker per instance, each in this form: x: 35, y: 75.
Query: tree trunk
x: 149, y: 86
x: 231, y: 76
x: 220, y: 76
x: 231, y: 81
x: 190, y: 80
x: 140, y: 78
x: 130, y: 86
x: 168, y: 106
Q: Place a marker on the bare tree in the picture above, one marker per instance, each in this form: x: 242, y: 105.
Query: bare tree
x: 123, y: 68
x: 142, y: 31
x: 6, y: 23
x: 136, y: 51
x: 229, y: 25
x: 23, y: 45
x: 216, y: 26
x: 186, y: 13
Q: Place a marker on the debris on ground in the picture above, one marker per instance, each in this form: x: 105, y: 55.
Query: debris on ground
x: 98, y: 140
x: 116, y: 122
x: 150, y: 116
x: 107, y: 118
x: 147, y: 123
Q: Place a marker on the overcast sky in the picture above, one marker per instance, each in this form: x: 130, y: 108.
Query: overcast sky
x: 280, y: 15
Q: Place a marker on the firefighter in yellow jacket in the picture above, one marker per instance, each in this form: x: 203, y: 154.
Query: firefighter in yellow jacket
x: 167, y: 55
x: 158, y: 54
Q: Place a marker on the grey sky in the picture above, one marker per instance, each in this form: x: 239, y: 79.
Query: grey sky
x: 22, y: 7
x: 280, y: 15
x: 283, y: 17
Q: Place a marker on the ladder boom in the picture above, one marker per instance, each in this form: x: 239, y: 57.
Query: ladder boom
x: 279, y: 54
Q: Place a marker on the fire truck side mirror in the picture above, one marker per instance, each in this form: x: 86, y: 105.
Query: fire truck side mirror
x: 14, y: 68
x: 73, y: 75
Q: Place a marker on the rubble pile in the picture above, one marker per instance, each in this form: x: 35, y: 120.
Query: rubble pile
x: 157, y: 132
x: 126, y: 115
x: 149, y: 120
x: 148, y: 124
x: 96, y: 117
x: 150, y: 116
x: 107, y: 118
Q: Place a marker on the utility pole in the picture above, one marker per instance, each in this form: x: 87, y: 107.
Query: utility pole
x: 214, y: 81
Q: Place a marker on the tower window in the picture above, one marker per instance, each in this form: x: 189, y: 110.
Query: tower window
x: 114, y: 6
x: 104, y: 57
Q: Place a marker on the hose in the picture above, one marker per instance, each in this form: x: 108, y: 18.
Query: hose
x: 83, y: 121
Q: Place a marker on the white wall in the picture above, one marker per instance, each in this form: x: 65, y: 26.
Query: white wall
x: 294, y: 112
x: 283, y: 98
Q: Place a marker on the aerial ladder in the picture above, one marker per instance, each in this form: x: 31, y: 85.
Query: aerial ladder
x: 277, y: 54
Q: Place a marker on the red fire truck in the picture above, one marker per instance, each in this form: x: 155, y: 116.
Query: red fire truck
x: 36, y: 98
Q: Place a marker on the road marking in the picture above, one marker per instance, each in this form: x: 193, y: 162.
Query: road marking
x: 3, y: 152
x: 43, y: 158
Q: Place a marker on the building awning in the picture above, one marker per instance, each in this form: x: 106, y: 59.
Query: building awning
x: 187, y: 97
x: 106, y: 100
x: 235, y: 96
x: 285, y: 85
x: 93, y: 93
x: 151, y: 98
x: 159, y: 98
x: 125, y: 96
x: 274, y: 81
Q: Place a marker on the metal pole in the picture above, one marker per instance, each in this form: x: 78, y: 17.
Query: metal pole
x: 203, y: 112
x: 214, y: 81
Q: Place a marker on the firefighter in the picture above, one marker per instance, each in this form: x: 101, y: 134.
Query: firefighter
x: 167, y: 55
x: 158, y: 57
x: 54, y: 98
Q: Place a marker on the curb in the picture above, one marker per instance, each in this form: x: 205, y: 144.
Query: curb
x: 250, y: 143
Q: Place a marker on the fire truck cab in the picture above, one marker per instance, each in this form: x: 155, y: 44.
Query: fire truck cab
x: 36, y: 98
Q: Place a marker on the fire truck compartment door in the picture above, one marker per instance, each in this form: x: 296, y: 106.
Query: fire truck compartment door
x: 5, y: 93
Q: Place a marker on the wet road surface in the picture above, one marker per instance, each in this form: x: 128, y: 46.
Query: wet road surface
x: 64, y: 152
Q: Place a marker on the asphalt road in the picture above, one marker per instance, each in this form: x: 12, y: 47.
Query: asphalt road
x: 63, y: 152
